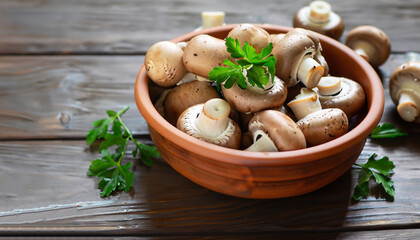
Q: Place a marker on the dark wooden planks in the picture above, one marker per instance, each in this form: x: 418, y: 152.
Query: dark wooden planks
x: 45, y: 190
x: 59, y: 97
x: 128, y: 26
x: 50, y: 97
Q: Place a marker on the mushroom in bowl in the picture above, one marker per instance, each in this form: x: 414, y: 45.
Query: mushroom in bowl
x: 267, y: 174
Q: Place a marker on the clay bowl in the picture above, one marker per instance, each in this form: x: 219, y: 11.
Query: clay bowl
x: 274, y: 174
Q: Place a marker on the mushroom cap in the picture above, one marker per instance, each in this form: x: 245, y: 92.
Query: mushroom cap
x: 406, y: 79
x: 351, y: 98
x: 203, y: 53
x: 186, y: 95
x: 255, y: 36
x: 284, y: 132
x: 164, y: 64
x: 323, y: 125
x: 333, y: 27
x: 230, y: 138
x: 247, y: 100
x: 376, y: 38
x: 289, y: 52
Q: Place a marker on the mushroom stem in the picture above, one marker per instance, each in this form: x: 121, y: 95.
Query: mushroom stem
x: 329, y: 86
x: 407, y: 107
x: 212, y: 19
x: 364, y: 49
x: 305, y: 103
x: 319, y: 11
x: 262, y: 143
x: 213, y: 120
x: 310, y: 72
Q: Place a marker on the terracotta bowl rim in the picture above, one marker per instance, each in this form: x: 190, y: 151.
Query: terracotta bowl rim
x: 244, y: 158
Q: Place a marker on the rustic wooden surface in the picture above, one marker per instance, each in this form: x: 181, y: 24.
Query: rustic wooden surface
x: 63, y: 63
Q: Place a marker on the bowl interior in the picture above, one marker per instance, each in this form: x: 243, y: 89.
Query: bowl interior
x: 342, y: 61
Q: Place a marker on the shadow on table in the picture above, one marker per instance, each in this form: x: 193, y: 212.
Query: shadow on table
x: 178, y: 206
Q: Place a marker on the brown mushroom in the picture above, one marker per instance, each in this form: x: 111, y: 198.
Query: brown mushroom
x: 304, y: 103
x: 254, y: 99
x: 371, y: 43
x: 186, y: 95
x: 164, y: 64
x: 404, y: 88
x: 323, y: 126
x: 210, y: 122
x: 295, y: 54
x: 255, y: 36
x: 350, y: 98
x: 318, y: 17
x: 203, y: 53
x: 281, y: 129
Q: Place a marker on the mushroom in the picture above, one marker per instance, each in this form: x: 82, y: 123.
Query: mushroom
x: 323, y: 125
x: 281, y: 129
x: 262, y: 143
x: 305, y: 103
x: 211, y: 19
x: 350, y: 97
x: 186, y: 95
x: 255, y: 36
x: 371, y: 43
x: 318, y: 17
x: 203, y: 53
x: 254, y: 99
x: 404, y: 88
x: 295, y: 54
x: 210, y: 122
x: 164, y: 64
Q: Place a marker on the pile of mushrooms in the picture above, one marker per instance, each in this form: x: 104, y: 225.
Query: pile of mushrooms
x: 318, y: 108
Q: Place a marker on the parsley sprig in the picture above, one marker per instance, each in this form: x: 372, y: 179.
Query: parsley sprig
x: 381, y: 170
x: 254, y: 68
x: 387, y: 130
x: 112, y: 173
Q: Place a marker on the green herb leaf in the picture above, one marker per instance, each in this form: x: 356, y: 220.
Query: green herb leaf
x: 387, y: 130
x: 114, y: 175
x: 256, y: 69
x: 381, y: 169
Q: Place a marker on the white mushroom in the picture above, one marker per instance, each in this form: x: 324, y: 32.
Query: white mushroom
x: 319, y: 17
x: 323, y: 126
x: 305, y: 103
x: 210, y: 122
x: 404, y: 88
x: 255, y: 36
x: 280, y: 128
x: 164, y: 64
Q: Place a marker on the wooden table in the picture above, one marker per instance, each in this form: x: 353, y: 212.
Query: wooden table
x: 63, y: 63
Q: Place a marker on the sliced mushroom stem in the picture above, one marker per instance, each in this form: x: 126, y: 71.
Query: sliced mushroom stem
x: 329, y: 86
x: 262, y: 143
x: 213, y: 120
x: 364, y: 49
x: 310, y: 72
x: 319, y: 11
x: 407, y: 107
x: 305, y: 103
x: 212, y: 18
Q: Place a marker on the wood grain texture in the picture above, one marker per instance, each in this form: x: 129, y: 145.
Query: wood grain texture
x: 130, y: 26
x: 44, y: 190
x: 59, y: 97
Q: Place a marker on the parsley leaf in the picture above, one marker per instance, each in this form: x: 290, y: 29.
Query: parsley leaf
x: 381, y: 170
x: 251, y: 67
x: 114, y: 175
x: 387, y: 130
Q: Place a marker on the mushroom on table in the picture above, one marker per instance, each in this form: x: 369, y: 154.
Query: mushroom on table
x: 319, y: 17
x: 371, y: 43
x: 404, y: 88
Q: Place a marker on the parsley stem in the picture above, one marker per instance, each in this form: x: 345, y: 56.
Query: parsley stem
x: 123, y: 152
